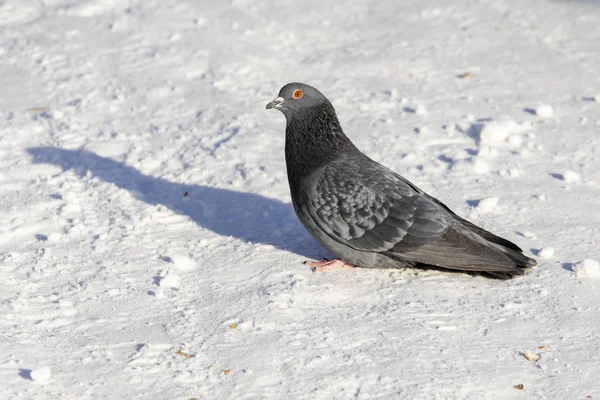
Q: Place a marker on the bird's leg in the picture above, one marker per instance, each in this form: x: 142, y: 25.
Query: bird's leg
x: 327, y: 265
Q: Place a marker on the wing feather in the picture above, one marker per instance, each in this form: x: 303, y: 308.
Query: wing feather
x: 369, y: 216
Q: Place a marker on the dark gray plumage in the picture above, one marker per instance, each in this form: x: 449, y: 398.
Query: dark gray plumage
x: 367, y: 214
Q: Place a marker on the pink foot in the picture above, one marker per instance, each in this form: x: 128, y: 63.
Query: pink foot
x: 327, y: 265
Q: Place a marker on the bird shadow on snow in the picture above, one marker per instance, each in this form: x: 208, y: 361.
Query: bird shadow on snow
x: 25, y: 373
x: 246, y: 216
x: 568, y: 267
x: 473, y: 203
x: 474, y: 130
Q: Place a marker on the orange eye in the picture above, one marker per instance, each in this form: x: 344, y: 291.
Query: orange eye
x: 298, y: 94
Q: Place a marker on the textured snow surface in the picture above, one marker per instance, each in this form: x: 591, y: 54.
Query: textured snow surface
x: 148, y: 248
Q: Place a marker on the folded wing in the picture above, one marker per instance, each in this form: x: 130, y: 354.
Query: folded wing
x: 381, y: 212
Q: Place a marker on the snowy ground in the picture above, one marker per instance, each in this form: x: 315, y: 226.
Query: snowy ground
x: 126, y: 287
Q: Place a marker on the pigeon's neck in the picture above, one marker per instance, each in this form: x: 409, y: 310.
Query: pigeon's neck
x: 312, y: 139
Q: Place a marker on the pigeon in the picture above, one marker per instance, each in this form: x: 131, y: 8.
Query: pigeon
x: 368, y: 215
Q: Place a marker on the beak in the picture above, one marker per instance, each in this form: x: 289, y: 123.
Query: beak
x: 275, y: 103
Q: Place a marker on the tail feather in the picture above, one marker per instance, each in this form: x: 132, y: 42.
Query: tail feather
x: 487, y: 235
x: 508, y: 248
x: 520, y: 259
x: 466, y: 251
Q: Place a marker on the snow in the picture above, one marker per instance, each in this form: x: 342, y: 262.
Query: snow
x: 41, y: 374
x: 145, y: 207
x: 494, y: 133
x: 421, y: 110
x: 487, y: 204
x: 587, y: 268
x: 571, y: 176
x: 169, y: 281
x: 480, y: 166
x: 183, y: 262
x: 505, y: 129
x: 544, y: 111
x: 54, y: 237
x: 547, y: 252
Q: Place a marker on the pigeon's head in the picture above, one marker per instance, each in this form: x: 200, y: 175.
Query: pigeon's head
x: 295, y: 97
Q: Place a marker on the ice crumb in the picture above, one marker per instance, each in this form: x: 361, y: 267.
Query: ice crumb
x: 484, y: 151
x: 69, y: 312
x: 547, y: 252
x: 525, y: 153
x: 544, y: 111
x: 514, y: 172
x: 488, y: 204
x: 502, y: 130
x: 570, y: 176
x: 70, y: 197
x: 154, y: 347
x: 587, y: 268
x: 183, y: 262
x: 409, y: 157
x: 447, y: 328
x: 480, y: 166
x: 169, y: 281
x: 511, y: 173
x: 245, y: 325
x: 512, y: 306
x: 450, y: 129
x: 54, y: 237
x: 528, y: 234
x: 113, y: 292
x: 516, y: 140
x: 494, y: 132
x: 421, y: 110
x: 41, y: 374
x: 526, y: 126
